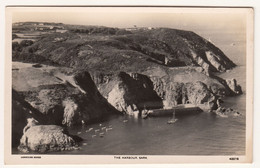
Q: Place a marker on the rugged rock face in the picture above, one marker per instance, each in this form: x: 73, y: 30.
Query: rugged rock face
x: 159, y: 85
x: 66, y: 99
x: 135, y: 92
x: 42, y: 138
x: 202, y: 62
x: 71, y: 111
x: 188, y: 93
x: 30, y: 129
x: 67, y: 104
x: 18, y: 121
x: 214, y: 60
x: 174, y: 94
x: 132, y: 92
x: 49, y: 100
x: 21, y: 110
x: 234, y: 87
x: 198, y: 93
x: 227, y: 112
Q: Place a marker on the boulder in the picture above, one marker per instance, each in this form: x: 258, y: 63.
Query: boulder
x: 42, y: 138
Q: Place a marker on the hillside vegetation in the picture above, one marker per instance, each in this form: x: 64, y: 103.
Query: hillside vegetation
x: 113, y: 49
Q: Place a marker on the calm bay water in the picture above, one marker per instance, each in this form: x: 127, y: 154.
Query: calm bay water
x: 200, y: 134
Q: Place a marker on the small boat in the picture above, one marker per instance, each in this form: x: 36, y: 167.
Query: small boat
x: 222, y: 115
x: 125, y: 121
x: 90, y: 129
x: 79, y: 133
x: 103, y: 128
x: 93, y: 136
x: 82, y: 122
x: 145, y: 113
x: 173, y: 120
x: 107, y: 129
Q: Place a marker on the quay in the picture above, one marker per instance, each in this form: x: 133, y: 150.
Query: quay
x: 183, y: 109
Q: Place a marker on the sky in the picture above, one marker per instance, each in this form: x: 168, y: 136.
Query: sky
x: 184, y: 18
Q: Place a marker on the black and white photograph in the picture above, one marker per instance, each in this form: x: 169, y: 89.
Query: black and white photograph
x: 129, y: 84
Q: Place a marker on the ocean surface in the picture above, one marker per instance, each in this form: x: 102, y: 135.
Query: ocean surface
x: 197, y: 134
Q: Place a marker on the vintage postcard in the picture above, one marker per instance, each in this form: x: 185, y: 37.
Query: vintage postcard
x: 99, y: 85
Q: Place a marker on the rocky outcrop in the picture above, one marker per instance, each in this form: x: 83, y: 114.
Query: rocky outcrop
x: 67, y: 105
x: 189, y: 93
x: 214, y: 60
x: 43, y: 138
x: 18, y: 121
x: 49, y: 99
x: 31, y: 129
x: 71, y: 111
x: 132, y: 92
x: 201, y: 62
x: 198, y: 93
x: 159, y: 85
x: 61, y: 95
x: 227, y: 112
x: 94, y: 106
x: 234, y: 87
x: 135, y: 92
x: 174, y: 94
x: 21, y: 111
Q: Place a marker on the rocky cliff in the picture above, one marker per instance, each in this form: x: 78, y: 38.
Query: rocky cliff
x: 31, y: 130
x: 134, y: 92
x: 131, y: 93
x: 67, y: 99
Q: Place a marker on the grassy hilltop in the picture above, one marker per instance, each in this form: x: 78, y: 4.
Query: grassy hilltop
x: 113, y: 49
